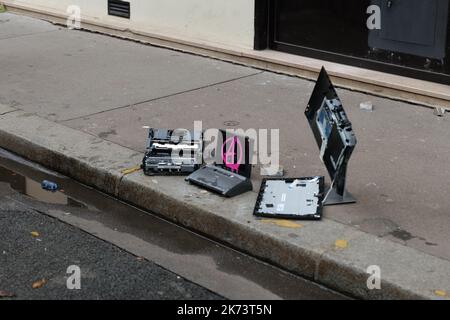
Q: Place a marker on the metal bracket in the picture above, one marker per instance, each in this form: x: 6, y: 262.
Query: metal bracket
x: 333, y: 198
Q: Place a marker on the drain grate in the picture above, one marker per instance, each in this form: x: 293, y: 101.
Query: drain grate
x: 119, y: 8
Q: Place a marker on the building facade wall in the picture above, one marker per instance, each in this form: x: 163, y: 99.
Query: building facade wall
x: 228, y: 23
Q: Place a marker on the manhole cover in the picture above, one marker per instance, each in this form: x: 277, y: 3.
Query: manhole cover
x: 231, y: 123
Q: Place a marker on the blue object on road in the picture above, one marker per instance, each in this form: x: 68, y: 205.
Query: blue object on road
x: 50, y: 186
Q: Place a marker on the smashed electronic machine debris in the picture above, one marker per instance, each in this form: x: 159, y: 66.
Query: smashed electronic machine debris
x: 304, y: 198
x: 172, y: 152
x: 230, y: 173
x: 334, y: 135
x: 180, y: 152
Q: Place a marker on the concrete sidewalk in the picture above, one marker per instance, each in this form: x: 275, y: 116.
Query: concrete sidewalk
x: 65, y: 92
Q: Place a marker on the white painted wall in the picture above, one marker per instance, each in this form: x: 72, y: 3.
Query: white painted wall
x: 224, y: 22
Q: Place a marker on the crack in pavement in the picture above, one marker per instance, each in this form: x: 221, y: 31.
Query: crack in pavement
x: 163, y: 97
x: 8, y: 112
x: 28, y: 34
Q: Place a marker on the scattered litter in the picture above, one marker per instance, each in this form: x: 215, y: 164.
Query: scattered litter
x: 272, y: 172
x: 131, y: 170
x: 48, y: 185
x: 366, y: 106
x: 204, y: 191
x: 439, y: 112
x: 341, y: 244
x: 6, y: 294
x: 155, y: 181
x: 35, y: 234
x: 39, y: 284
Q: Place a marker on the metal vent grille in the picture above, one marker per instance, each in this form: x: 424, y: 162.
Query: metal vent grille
x: 119, y: 8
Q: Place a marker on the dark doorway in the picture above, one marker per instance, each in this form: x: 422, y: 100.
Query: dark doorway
x: 414, y: 39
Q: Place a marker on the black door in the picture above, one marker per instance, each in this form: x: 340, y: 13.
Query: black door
x: 413, y: 39
x: 417, y: 27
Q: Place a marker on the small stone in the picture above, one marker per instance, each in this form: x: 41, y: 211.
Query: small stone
x: 439, y: 112
x: 272, y: 171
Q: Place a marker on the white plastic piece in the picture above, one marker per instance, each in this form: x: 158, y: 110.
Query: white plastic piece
x: 366, y: 106
x: 440, y: 112
x: 272, y: 171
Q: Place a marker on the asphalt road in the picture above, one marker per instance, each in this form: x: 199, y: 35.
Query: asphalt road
x: 107, y: 272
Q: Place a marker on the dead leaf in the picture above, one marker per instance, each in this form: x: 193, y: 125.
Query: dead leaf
x: 6, y: 294
x: 440, y: 293
x: 341, y: 244
x: 131, y: 170
x: 35, y: 234
x: 283, y: 223
x: 39, y: 284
